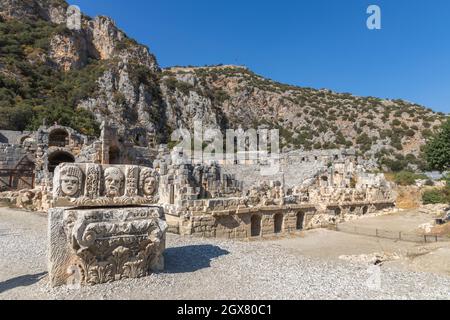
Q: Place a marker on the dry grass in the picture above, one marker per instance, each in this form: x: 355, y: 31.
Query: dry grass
x: 390, y: 176
x: 443, y: 230
x: 409, y: 197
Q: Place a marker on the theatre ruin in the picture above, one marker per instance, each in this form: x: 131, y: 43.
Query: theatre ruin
x: 208, y: 199
x: 110, y: 201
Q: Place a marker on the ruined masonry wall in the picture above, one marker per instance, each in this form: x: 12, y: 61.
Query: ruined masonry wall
x: 229, y: 225
x: 295, y: 166
x: 10, y: 155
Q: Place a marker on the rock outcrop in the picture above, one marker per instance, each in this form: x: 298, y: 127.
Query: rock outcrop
x: 135, y: 95
x: 49, y: 10
x: 69, y: 52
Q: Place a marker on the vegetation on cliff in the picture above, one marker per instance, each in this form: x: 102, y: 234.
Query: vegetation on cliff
x: 437, y: 151
x: 136, y: 95
x: 391, y: 131
x: 33, y: 89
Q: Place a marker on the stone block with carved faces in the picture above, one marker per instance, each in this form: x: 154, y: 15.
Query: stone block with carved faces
x: 91, y: 185
x: 105, y: 224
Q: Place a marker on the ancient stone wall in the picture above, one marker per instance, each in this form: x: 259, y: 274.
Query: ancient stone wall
x: 233, y: 219
x: 182, y: 180
x: 16, y: 168
x: 13, y: 137
x: 206, y: 200
x: 292, y: 168
x: 10, y: 155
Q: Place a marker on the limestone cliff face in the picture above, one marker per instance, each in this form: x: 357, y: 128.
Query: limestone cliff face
x: 49, y: 10
x: 307, y: 118
x: 126, y: 94
x: 105, y: 36
x: 69, y: 52
x: 138, y: 97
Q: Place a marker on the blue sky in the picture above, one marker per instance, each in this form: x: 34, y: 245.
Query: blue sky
x: 314, y: 43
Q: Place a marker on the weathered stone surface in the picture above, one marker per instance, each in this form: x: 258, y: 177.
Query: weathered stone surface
x: 333, y: 185
x: 88, y: 185
x: 54, y: 11
x: 93, y: 246
x: 69, y: 52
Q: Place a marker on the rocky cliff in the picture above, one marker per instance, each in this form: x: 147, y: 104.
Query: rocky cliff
x: 114, y: 78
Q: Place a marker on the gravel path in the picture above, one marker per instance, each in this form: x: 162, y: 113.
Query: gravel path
x: 206, y: 269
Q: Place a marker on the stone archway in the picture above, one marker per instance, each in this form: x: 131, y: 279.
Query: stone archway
x: 300, y: 220
x: 114, y: 155
x: 58, y: 157
x: 256, y: 225
x: 58, y: 138
x: 365, y: 210
x: 278, y: 223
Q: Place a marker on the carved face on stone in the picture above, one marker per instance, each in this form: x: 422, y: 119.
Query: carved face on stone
x: 114, y: 179
x: 149, y: 186
x: 71, y: 177
x: 148, y: 182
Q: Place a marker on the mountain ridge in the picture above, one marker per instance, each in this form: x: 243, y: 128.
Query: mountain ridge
x: 106, y: 76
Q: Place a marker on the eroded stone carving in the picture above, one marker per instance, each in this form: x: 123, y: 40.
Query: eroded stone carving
x: 131, y: 189
x: 90, y: 246
x: 148, y: 184
x: 266, y: 194
x: 70, y: 182
x: 104, y: 185
x: 114, y: 182
x: 105, y: 245
x: 93, y: 181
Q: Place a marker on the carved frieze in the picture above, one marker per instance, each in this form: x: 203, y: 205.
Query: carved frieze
x: 94, y: 246
x: 91, y: 185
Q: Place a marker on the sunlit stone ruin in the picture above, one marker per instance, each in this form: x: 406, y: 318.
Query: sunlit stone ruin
x: 101, y: 229
x: 110, y: 202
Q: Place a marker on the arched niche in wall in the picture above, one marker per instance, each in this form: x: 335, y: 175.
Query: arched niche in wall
x: 58, y: 157
x: 58, y: 138
x: 114, y: 155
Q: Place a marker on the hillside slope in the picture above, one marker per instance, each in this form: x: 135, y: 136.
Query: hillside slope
x: 81, y: 78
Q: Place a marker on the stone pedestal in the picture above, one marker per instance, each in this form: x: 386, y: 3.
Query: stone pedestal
x: 100, y: 245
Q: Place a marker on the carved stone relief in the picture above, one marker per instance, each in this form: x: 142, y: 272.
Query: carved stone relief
x: 91, y: 185
x: 105, y: 245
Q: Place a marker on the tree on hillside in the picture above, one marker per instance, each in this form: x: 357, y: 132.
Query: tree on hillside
x: 437, y: 151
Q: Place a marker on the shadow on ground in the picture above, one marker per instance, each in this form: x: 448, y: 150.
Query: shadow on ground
x: 22, y: 281
x: 191, y: 258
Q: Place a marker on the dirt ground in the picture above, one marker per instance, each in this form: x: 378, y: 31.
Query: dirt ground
x: 407, y: 221
x: 326, y: 244
x: 24, y: 232
x: 421, y: 257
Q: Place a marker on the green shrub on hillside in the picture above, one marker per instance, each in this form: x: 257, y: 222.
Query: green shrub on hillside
x: 364, y: 141
x: 437, y: 150
x: 406, y: 178
x: 31, y: 90
x: 436, y: 196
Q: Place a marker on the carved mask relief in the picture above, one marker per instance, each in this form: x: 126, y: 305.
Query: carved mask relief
x: 88, y: 185
x: 148, y: 182
x: 149, y: 186
x: 114, y: 181
x: 71, y: 179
